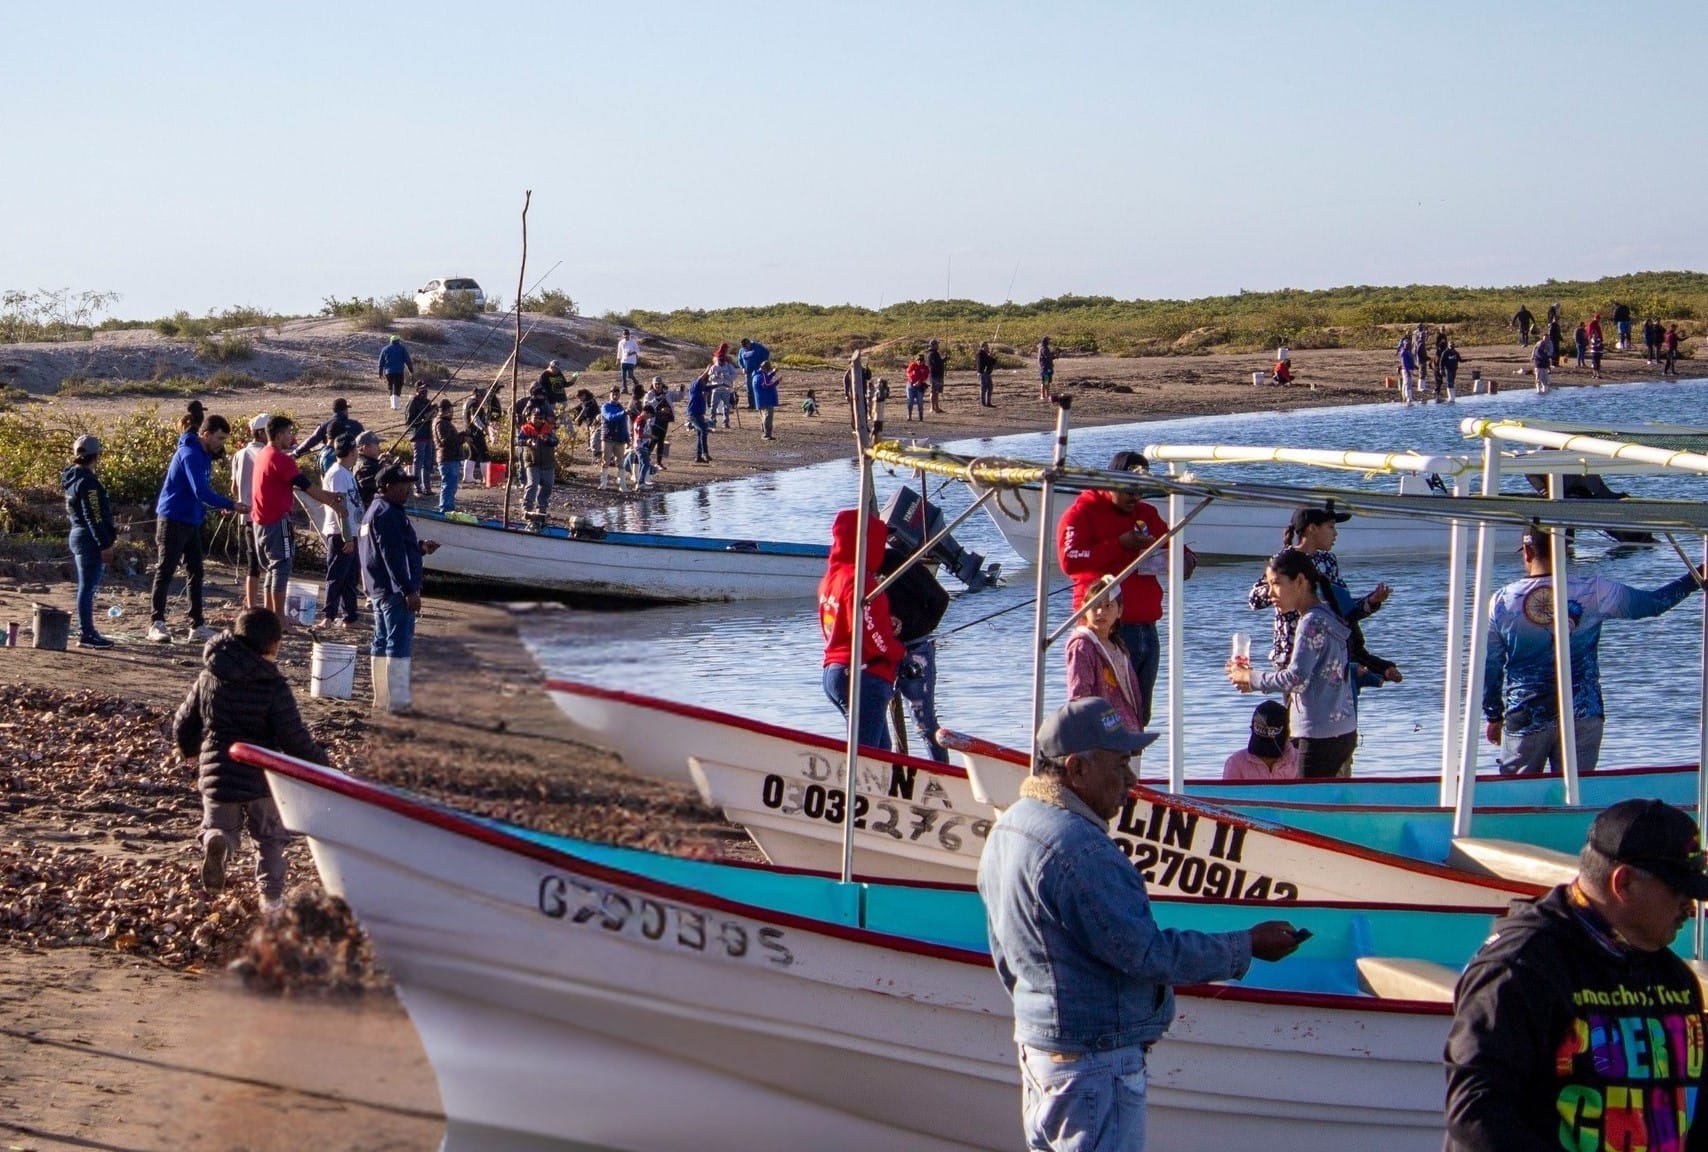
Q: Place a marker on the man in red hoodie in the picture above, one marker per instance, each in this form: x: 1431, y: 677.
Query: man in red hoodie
x: 881, y: 646
x: 1099, y: 535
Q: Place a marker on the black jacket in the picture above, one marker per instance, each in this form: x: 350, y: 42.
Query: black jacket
x: 87, y: 505
x: 1550, y: 987
x: 368, y: 469
x: 420, y: 415
x: 239, y: 696
x: 917, y: 601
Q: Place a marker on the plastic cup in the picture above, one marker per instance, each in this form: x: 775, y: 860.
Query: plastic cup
x: 1240, y: 650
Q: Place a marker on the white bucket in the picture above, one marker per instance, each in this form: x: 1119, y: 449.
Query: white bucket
x: 302, y: 602
x: 1257, y: 379
x: 332, y: 671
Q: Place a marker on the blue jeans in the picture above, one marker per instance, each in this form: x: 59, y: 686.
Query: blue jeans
x: 1094, y: 1102
x: 916, y: 682
x: 875, y: 693
x: 702, y: 430
x: 628, y: 376
x: 86, y: 554
x: 450, y: 474
x: 1145, y: 652
x: 423, y: 466
x: 1537, y: 750
x: 394, y: 627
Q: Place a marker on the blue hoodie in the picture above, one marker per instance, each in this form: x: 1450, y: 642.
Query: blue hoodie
x: 751, y: 357
x: 188, y: 491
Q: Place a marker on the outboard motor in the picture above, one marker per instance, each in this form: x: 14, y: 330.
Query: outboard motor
x: 912, y: 521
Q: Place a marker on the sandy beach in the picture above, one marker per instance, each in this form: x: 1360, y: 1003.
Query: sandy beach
x: 138, y: 1014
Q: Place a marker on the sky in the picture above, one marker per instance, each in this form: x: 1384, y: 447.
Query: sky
x: 200, y: 156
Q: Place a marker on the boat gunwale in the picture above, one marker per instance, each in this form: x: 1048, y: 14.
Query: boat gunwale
x: 652, y: 541
x: 758, y: 727
x: 495, y: 835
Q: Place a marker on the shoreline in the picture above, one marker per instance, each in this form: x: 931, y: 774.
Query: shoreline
x: 485, y: 737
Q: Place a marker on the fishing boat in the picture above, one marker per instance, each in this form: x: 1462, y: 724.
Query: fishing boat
x: 484, y: 555
x: 925, y: 824
x: 656, y: 737
x: 571, y: 995
x: 1235, y: 530
x: 995, y: 771
x: 916, y: 819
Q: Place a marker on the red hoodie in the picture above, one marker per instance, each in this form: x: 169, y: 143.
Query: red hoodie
x: 1087, y: 546
x: 882, y: 649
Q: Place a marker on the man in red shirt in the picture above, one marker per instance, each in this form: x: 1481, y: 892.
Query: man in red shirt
x: 1099, y: 535
x: 277, y: 479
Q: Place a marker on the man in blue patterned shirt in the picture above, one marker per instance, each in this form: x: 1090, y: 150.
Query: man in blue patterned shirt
x: 1520, y: 693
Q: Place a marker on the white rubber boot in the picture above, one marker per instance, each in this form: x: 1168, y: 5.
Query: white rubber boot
x: 397, y: 685
x: 379, y: 668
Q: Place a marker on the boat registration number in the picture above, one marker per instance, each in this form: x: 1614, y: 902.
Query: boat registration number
x: 915, y: 823
x: 659, y: 922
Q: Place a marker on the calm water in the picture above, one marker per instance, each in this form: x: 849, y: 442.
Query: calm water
x: 763, y: 660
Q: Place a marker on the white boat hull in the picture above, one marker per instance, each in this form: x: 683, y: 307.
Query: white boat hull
x: 1232, y: 531
x: 621, y: 566
x: 918, y: 820
x: 564, y: 1003
x: 925, y: 827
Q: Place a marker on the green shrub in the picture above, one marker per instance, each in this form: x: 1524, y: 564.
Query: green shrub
x: 224, y: 349
x: 551, y: 303
x: 604, y: 364
x: 430, y: 369
x: 372, y: 320
x: 354, y: 306
x: 226, y: 380
x: 454, y: 307
x: 165, y: 386
x: 422, y: 334
x: 401, y: 306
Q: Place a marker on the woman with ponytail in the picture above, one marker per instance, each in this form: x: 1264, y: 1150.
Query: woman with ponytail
x: 1322, y: 711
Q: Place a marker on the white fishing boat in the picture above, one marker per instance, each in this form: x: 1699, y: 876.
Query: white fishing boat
x: 925, y: 825
x: 571, y: 995
x: 1235, y: 530
x: 485, y: 555
x: 919, y: 820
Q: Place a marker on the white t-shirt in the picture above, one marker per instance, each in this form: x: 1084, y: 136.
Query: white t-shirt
x: 243, y: 473
x: 628, y: 350
x: 340, y: 481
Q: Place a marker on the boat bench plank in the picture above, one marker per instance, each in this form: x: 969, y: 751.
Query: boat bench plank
x: 1395, y: 978
x: 1512, y: 860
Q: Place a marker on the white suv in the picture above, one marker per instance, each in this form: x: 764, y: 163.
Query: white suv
x: 437, y: 290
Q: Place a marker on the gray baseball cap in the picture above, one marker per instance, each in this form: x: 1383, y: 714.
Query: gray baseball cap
x: 1085, y: 725
x: 86, y: 447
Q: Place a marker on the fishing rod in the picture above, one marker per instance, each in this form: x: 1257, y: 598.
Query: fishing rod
x: 1000, y: 611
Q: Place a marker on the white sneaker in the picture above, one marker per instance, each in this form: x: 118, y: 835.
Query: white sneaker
x: 201, y: 632
x: 272, y: 905
x: 157, y: 633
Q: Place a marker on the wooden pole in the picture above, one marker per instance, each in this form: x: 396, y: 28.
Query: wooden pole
x: 516, y: 361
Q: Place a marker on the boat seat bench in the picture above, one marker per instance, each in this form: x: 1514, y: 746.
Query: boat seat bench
x: 1511, y: 860
x: 1396, y: 978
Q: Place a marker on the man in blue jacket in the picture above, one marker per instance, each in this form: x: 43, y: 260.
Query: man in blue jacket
x: 391, y: 555
x: 1520, y: 694
x: 751, y: 359
x: 394, y: 362
x: 184, y: 500
x: 1074, y: 942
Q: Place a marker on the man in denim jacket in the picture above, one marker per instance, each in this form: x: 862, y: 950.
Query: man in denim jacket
x: 1074, y: 942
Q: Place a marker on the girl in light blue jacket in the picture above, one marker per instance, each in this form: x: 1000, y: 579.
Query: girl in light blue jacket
x: 1321, y: 708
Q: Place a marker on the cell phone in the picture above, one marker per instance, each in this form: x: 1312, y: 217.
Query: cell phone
x: 1300, y: 935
